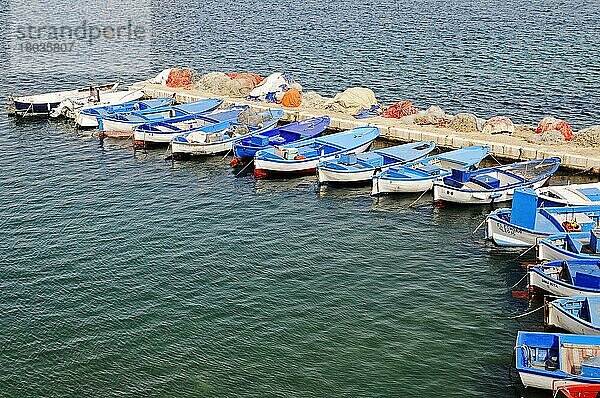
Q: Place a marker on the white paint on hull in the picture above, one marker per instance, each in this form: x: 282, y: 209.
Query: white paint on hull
x: 560, y: 320
x: 382, y: 185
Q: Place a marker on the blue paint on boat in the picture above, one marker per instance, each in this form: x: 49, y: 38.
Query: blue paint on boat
x: 162, y: 113
x: 547, y: 355
x: 246, y: 148
x: 132, y: 106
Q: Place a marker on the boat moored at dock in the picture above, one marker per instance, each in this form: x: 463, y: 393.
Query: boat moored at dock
x: 524, y: 224
x: 570, y: 246
x: 494, y: 184
x: 354, y: 168
x: 419, y: 176
x: 302, y: 157
x: 566, y: 278
x: 552, y: 360
x: 219, y: 138
x: 570, y: 195
x: 579, y: 314
x: 88, y: 117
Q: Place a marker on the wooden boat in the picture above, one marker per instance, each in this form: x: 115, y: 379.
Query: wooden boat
x: 578, y: 391
x: 127, y: 122
x: 570, y: 246
x: 419, y: 176
x: 69, y: 107
x: 494, y: 184
x: 88, y: 117
x: 570, y: 195
x: 552, y: 360
x: 302, y: 157
x: 245, y: 149
x: 353, y: 168
x: 579, y: 314
x: 162, y: 132
x: 566, y: 278
x: 524, y: 224
x: 219, y: 138
x: 44, y: 104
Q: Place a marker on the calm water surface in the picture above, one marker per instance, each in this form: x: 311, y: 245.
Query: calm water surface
x: 129, y: 276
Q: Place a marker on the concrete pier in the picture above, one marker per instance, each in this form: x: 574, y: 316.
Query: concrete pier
x: 503, y: 146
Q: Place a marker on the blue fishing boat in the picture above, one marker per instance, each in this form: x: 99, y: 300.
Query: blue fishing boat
x: 127, y: 122
x: 493, y: 184
x: 303, y: 156
x: 525, y: 223
x: 88, y: 117
x: 245, y: 149
x: 163, y: 131
x: 219, y: 138
x: 570, y: 246
x: 579, y: 314
x: 419, y: 176
x: 566, y: 278
x: 552, y: 360
x: 353, y: 168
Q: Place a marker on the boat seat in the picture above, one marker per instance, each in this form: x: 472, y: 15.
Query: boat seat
x: 486, y: 181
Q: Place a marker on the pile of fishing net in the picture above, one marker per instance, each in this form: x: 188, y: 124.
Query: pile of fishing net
x: 551, y: 123
x: 236, y: 85
x: 434, y: 116
x: 400, y: 109
x: 548, y: 137
x: 176, y: 78
x: 498, y: 125
x: 588, y: 137
x: 352, y: 100
x: 465, y: 123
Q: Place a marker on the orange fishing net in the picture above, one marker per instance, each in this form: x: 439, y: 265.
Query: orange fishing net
x: 180, y: 77
x: 551, y: 123
x: 400, y: 109
x: 292, y: 98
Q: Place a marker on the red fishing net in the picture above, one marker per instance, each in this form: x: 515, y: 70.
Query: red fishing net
x: 551, y: 123
x: 400, y: 109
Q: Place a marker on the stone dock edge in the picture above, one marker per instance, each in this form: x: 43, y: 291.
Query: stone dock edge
x: 503, y: 146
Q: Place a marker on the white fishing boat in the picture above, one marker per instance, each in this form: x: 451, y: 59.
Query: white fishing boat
x: 579, y: 314
x: 494, y: 184
x: 219, y: 138
x: 570, y: 246
x: 44, y: 104
x: 566, y: 278
x: 303, y: 156
x: 570, y: 195
x: 71, y: 107
x: 525, y: 223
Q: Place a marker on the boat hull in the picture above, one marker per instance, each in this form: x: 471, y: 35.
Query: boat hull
x: 556, y: 287
x: 196, y: 149
x: 265, y: 166
x: 504, y: 234
x: 384, y: 185
x: 445, y: 193
x: 86, y: 121
x: 544, y: 382
x: 568, y: 322
x: 327, y: 176
x: 548, y: 252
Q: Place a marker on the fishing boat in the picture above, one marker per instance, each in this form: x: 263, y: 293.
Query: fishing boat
x: 419, y: 176
x: 524, y: 224
x: 578, y: 391
x: 353, y: 168
x: 162, y: 132
x: 302, y: 157
x: 44, y: 104
x: 245, y: 149
x: 69, y: 107
x: 570, y: 195
x: 579, y: 314
x: 566, y: 278
x: 127, y: 122
x: 570, y: 246
x: 494, y: 184
x: 88, y: 117
x: 551, y: 360
x: 219, y: 138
